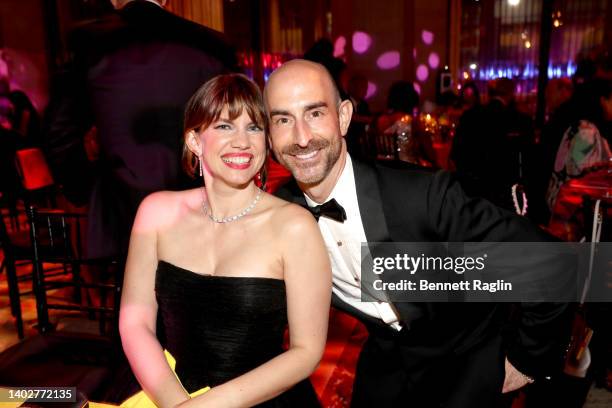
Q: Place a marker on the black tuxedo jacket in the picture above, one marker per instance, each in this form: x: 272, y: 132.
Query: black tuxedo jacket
x: 130, y: 76
x: 415, y: 205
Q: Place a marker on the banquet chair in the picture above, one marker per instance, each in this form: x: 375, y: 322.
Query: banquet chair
x: 16, y: 248
x: 93, y: 362
x: 385, y: 145
x: 37, y: 183
x: 56, y: 238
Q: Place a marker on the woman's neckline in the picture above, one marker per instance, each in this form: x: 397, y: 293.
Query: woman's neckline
x: 209, y: 276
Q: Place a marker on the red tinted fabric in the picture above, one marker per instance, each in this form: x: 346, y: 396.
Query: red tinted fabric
x: 567, y: 221
x: 277, y: 175
x: 33, y: 169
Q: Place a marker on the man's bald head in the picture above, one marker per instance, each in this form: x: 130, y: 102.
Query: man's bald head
x: 308, y: 121
x: 302, y: 69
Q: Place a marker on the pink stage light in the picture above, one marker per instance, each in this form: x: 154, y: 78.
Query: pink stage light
x: 339, y: 46
x: 361, y: 42
x: 371, y: 90
x: 422, y: 73
x: 427, y: 37
x: 434, y: 60
x: 417, y: 87
x: 388, y: 60
x: 4, y: 71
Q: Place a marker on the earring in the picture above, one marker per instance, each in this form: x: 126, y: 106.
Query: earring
x: 258, y: 176
x: 200, y: 163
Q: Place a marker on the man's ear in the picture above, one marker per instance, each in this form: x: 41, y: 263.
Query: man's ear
x: 345, y: 113
x: 192, y: 140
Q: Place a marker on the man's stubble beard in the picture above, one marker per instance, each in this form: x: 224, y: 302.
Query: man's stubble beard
x: 331, y: 151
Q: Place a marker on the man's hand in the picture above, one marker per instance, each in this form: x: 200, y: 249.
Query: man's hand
x: 514, y: 378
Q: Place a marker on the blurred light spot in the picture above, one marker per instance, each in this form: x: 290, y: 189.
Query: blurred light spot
x: 466, y: 75
x: 388, y: 60
x: 433, y: 60
x: 4, y: 71
x: 527, y: 44
x: 339, y: 46
x: 473, y: 65
x: 514, y: 2
x: 371, y: 90
x: 361, y: 42
x: 427, y: 36
x: 417, y: 88
x: 422, y: 73
x: 414, y: 53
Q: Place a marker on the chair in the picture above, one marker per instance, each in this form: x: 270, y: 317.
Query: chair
x: 38, y: 186
x: 56, y: 238
x: 389, y: 135
x: 386, y: 146
x: 16, y: 247
x: 92, y: 362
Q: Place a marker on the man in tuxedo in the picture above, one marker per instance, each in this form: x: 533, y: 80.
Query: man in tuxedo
x: 417, y: 354
x: 130, y: 76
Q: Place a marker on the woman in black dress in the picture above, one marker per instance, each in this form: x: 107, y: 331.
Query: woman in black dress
x: 226, y: 267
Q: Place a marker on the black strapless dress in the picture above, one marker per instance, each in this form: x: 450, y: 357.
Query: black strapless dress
x: 218, y: 328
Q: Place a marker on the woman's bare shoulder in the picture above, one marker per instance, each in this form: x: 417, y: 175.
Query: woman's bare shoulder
x: 164, y: 208
x: 291, y: 218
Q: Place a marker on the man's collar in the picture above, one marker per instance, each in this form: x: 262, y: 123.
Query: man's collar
x: 343, y: 185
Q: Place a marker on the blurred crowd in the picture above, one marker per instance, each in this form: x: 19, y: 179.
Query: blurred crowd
x: 487, y: 136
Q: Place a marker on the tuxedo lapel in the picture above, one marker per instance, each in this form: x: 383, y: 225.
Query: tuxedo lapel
x: 376, y: 228
x: 370, y: 203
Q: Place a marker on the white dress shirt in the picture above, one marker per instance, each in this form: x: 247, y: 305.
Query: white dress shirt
x: 343, y: 241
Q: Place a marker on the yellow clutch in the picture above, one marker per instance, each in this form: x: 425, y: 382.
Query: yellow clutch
x: 141, y: 400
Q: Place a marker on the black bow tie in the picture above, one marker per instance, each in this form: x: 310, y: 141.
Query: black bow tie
x: 330, y: 209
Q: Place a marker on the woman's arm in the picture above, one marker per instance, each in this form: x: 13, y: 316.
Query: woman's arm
x: 138, y: 310
x: 307, y: 275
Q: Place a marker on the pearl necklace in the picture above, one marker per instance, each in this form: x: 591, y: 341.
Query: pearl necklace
x: 231, y: 218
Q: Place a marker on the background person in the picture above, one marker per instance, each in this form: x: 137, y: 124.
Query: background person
x: 130, y: 77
